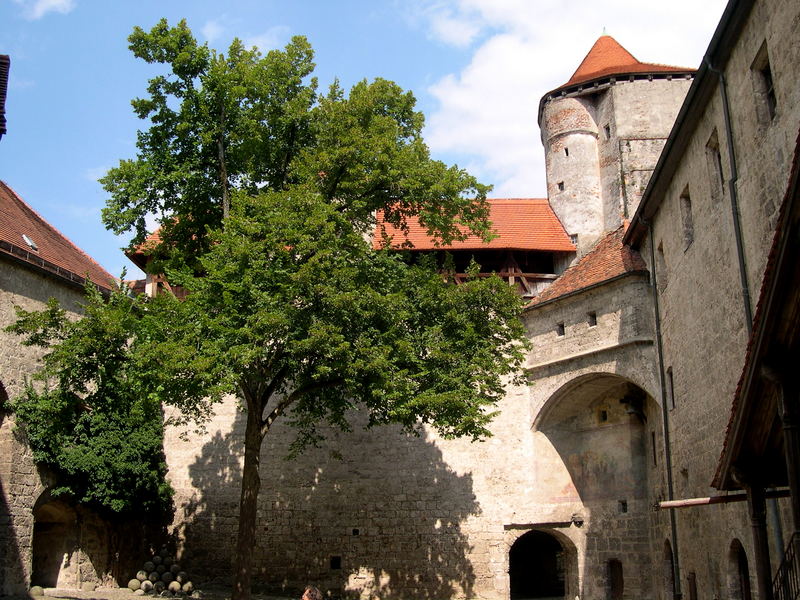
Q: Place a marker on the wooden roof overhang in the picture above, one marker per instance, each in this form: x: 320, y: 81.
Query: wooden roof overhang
x: 754, y: 440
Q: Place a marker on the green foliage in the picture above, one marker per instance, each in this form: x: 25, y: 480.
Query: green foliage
x: 299, y: 312
x: 89, y: 416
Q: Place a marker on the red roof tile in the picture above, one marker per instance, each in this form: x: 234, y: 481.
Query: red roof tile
x: 520, y: 224
x: 53, y: 253
x: 608, y: 57
x: 609, y: 258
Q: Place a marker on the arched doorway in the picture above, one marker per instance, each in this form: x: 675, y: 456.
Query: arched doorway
x: 738, y: 573
x: 537, y: 567
x: 54, y: 543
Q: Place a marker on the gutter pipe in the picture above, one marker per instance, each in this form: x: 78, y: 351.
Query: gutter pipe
x: 676, y: 565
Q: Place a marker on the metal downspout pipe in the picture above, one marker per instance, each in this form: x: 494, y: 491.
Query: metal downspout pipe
x: 772, y: 503
x: 676, y: 571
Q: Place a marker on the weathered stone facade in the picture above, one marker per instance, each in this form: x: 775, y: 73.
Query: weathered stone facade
x: 571, y: 480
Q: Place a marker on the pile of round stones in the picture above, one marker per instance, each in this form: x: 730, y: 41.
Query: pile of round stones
x: 162, y: 576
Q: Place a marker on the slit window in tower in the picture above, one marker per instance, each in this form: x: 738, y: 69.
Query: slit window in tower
x: 686, y: 219
x: 560, y: 330
x: 566, y: 151
x: 560, y: 186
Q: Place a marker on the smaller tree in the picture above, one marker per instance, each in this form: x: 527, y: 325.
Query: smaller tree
x: 90, y: 416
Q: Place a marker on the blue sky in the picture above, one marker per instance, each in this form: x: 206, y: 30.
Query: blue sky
x: 477, y: 68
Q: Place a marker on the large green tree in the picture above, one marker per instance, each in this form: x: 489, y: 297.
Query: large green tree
x: 267, y: 194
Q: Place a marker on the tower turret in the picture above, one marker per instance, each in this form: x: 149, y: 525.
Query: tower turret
x: 603, y: 132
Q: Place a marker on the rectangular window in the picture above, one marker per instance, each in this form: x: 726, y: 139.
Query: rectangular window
x: 560, y: 330
x: 686, y: 219
x: 653, y: 446
x: 670, y: 389
x: 592, y: 318
x: 716, y: 178
x: 764, y: 87
x: 661, y: 268
x: 560, y: 186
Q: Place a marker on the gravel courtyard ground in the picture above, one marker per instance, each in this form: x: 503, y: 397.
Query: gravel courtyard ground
x: 210, y: 593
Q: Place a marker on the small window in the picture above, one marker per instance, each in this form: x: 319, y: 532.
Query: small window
x: 566, y: 151
x: 692, y: 586
x: 592, y: 319
x: 670, y: 389
x: 686, y: 219
x: 764, y: 87
x: 716, y: 178
x: 653, y: 446
x: 661, y: 267
x: 607, y: 131
x: 560, y: 186
x: 602, y: 415
x: 623, y: 506
x: 573, y: 237
x: 560, y: 329
x: 336, y: 563
x: 356, y: 532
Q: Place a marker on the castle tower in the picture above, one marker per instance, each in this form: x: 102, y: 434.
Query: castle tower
x: 603, y: 131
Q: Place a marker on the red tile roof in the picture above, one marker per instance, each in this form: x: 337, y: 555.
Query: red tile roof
x: 608, y: 57
x: 520, y: 224
x: 609, y: 259
x: 54, y: 253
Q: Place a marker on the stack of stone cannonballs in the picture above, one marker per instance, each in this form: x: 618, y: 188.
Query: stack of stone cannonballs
x: 162, y: 576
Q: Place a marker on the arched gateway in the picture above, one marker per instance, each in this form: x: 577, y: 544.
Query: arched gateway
x: 538, y: 565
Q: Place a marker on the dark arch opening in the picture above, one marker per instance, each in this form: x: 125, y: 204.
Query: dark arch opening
x: 616, y: 583
x: 738, y: 572
x: 537, y: 567
x: 54, y: 541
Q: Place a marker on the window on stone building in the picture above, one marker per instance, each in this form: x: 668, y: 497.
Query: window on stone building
x: 623, y: 506
x: 692, y: 586
x: 661, y: 267
x: 670, y: 389
x: 592, y: 319
x: 686, y: 219
x: 573, y: 237
x: 716, y: 178
x: 566, y: 151
x: 764, y: 87
x: 607, y: 131
x: 653, y: 446
x: 336, y: 563
x: 560, y: 186
x: 560, y: 330
x: 616, y: 583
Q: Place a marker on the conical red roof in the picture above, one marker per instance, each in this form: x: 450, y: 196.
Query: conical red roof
x: 608, y: 57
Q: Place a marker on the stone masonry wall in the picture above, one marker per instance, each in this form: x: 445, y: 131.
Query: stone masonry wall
x: 701, y: 301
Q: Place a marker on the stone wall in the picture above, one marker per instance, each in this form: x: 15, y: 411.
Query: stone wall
x: 73, y: 545
x: 701, y: 299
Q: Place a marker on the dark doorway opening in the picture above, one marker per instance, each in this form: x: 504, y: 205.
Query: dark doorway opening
x: 54, y: 541
x: 536, y: 567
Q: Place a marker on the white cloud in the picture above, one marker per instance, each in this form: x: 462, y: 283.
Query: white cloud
x: 36, y: 9
x: 274, y: 37
x: 212, y: 30
x: 487, y: 112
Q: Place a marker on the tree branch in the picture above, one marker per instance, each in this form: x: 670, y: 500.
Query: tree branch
x: 293, y: 397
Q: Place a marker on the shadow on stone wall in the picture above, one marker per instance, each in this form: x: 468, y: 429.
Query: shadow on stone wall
x: 12, y: 575
x: 373, y: 512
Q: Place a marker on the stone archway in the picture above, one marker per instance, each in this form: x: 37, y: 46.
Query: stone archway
x: 539, y: 566
x: 599, y: 426
x: 55, y: 543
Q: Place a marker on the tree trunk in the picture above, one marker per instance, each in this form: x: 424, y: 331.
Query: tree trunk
x: 248, y: 504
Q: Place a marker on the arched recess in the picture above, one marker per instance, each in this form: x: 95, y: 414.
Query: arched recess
x: 542, y: 564
x: 596, y: 422
x: 738, y: 572
x: 55, y: 543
